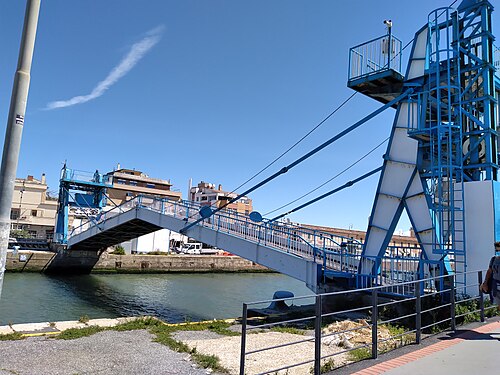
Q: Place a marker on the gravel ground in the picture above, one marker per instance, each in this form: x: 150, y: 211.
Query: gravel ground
x: 227, y: 348
x: 105, y: 353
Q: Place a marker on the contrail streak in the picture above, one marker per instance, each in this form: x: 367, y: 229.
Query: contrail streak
x: 136, y: 53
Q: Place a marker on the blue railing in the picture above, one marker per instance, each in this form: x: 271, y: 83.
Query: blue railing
x: 496, y: 59
x: 333, y: 252
x: 375, y: 56
x: 85, y: 176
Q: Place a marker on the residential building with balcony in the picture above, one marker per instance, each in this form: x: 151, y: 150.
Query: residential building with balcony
x: 33, y: 209
x: 206, y: 194
x: 128, y: 183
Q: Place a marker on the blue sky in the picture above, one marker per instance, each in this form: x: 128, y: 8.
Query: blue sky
x: 218, y: 91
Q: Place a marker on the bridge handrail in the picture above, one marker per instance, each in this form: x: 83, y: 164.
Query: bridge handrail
x: 291, y: 239
x: 333, y: 252
x: 119, y: 209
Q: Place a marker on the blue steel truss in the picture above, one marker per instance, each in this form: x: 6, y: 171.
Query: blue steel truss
x: 453, y: 117
x: 456, y: 119
x: 439, y: 131
x: 86, y: 192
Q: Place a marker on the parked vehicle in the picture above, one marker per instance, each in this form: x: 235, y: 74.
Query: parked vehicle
x: 192, y: 248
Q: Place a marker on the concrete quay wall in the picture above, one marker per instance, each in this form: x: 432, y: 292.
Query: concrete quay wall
x: 36, y: 261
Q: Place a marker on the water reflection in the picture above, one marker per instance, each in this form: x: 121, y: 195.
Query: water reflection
x: 171, y: 297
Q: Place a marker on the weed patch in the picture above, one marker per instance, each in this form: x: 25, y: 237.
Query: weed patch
x: 11, y: 336
x: 76, y: 333
x: 360, y: 354
x: 292, y: 330
x: 84, y: 319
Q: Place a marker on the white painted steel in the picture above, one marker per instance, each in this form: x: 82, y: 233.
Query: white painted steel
x: 400, y: 184
x: 480, y: 222
x: 417, y: 60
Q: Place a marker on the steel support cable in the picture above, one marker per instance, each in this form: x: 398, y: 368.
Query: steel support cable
x: 336, y: 190
x: 296, y: 143
x: 320, y: 123
x: 290, y: 148
x: 330, y: 180
x: 306, y: 156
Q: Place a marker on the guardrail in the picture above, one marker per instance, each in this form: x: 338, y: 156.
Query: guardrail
x: 332, y: 252
x: 377, y: 55
x: 78, y: 175
x: 386, y: 323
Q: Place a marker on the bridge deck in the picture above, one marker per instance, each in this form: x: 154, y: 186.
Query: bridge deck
x: 305, y: 254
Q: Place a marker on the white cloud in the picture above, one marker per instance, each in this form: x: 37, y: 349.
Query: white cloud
x: 135, y: 54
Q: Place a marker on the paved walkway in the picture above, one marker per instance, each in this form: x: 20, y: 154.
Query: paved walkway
x: 472, y: 351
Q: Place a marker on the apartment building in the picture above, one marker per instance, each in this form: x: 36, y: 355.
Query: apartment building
x: 128, y: 183
x: 33, y: 209
x: 206, y: 194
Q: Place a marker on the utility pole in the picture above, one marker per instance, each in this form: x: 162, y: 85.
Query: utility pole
x: 15, y: 125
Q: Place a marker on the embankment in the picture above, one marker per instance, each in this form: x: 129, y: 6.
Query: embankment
x: 37, y: 261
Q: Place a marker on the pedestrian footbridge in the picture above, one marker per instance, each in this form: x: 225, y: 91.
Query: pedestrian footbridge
x: 316, y: 258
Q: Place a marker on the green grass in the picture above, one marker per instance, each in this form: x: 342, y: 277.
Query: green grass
x: 402, y: 337
x: 142, y: 323
x: 292, y: 330
x: 9, y: 371
x: 325, y: 367
x: 360, y: 354
x: 11, y: 336
x: 84, y: 319
x: 208, y: 361
x: 157, y: 253
x: 163, y: 335
x: 76, y: 333
x: 119, y: 250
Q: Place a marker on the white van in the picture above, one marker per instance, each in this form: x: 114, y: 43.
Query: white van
x: 192, y: 248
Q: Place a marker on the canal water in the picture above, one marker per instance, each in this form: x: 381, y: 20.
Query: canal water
x: 33, y: 297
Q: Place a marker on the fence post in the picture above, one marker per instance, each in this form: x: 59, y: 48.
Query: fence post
x: 481, y: 295
x: 452, y: 303
x: 243, y: 338
x: 418, y: 314
x: 314, y: 245
x: 374, y: 323
x: 317, y: 337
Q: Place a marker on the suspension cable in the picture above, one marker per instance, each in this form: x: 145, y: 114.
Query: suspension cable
x: 330, y: 180
x: 318, y: 125
x: 289, y: 149
x: 296, y: 143
x: 308, y: 155
x: 336, y: 190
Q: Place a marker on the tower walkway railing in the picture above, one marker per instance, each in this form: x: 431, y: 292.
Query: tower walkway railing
x: 337, y: 255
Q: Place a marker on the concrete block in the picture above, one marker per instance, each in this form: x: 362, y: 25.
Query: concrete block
x: 62, y: 326
x: 103, y: 322
x: 30, y: 327
x: 5, y: 330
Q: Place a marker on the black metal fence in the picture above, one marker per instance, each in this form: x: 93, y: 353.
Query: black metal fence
x: 404, y: 320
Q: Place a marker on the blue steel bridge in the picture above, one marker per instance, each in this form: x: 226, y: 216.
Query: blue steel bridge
x: 314, y: 257
x: 441, y: 166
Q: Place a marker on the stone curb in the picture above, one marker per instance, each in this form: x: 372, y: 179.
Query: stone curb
x: 53, y: 328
